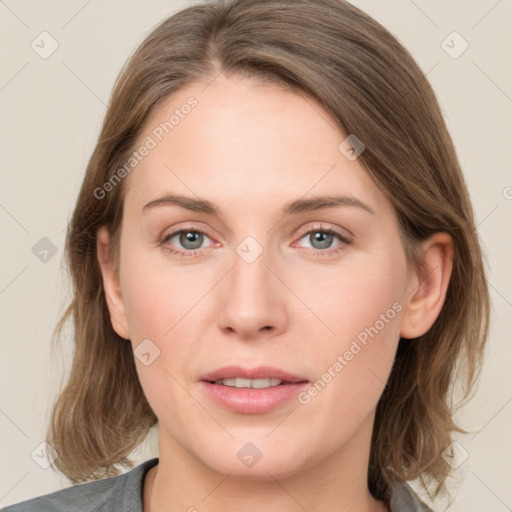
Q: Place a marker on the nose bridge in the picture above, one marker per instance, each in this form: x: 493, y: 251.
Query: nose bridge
x: 252, y: 301
x: 250, y: 265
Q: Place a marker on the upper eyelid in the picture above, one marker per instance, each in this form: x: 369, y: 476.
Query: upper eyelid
x: 336, y: 231
x: 175, y: 231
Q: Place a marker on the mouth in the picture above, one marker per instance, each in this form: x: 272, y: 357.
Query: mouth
x: 240, y: 382
x: 255, y: 378
x: 252, y: 391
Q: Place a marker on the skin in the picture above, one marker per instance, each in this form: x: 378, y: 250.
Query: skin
x: 250, y: 148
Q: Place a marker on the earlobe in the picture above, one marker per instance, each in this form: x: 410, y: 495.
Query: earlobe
x: 111, y: 284
x: 428, y: 285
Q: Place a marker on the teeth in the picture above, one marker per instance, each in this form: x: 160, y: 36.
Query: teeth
x: 240, y: 382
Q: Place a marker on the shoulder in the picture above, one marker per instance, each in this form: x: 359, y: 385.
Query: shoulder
x: 119, y: 493
x: 403, y: 499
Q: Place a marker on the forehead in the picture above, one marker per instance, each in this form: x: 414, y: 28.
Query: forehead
x: 241, y: 142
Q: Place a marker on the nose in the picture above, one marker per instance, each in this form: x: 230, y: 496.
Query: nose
x: 253, y: 299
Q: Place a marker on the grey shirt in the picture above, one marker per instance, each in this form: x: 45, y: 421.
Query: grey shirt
x: 123, y: 493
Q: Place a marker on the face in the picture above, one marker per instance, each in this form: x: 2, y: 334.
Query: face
x: 318, y: 292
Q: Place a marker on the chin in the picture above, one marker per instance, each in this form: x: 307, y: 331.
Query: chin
x: 259, y: 461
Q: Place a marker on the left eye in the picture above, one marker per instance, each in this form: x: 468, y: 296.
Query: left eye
x: 322, y: 239
x: 190, y: 240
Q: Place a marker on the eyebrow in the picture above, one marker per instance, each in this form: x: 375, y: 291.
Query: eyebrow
x: 292, y: 207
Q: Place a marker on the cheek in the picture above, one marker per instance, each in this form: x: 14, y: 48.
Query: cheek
x: 155, y: 295
x: 355, y: 296
x: 168, y: 305
x: 362, y: 307
x: 159, y: 310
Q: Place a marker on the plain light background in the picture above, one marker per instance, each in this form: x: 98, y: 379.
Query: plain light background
x: 51, y: 112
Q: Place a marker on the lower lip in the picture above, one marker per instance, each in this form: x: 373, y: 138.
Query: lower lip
x: 252, y: 401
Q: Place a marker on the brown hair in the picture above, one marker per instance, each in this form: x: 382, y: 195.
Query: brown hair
x: 371, y: 86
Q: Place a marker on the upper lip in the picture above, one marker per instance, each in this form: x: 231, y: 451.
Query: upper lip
x: 261, y: 372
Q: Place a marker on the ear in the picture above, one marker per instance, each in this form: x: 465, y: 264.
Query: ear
x: 427, y: 285
x: 111, y: 284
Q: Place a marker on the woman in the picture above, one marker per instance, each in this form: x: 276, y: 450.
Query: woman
x: 275, y: 261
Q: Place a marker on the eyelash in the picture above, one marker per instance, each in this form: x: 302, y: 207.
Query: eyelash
x: 316, y: 252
